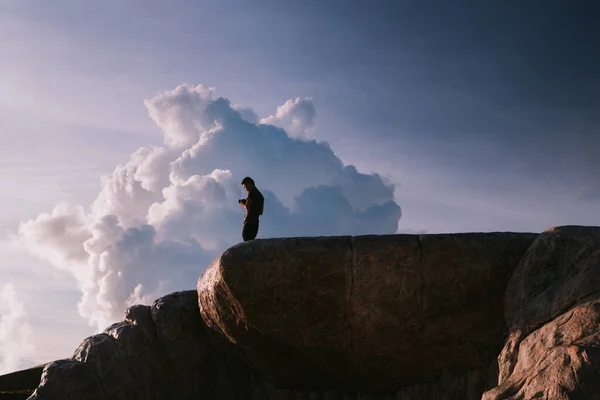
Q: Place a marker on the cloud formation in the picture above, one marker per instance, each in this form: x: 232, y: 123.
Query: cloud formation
x: 296, y: 116
x: 15, y: 332
x: 163, y: 215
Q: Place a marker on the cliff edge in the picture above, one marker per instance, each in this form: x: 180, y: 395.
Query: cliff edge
x: 368, y: 313
x: 440, y: 316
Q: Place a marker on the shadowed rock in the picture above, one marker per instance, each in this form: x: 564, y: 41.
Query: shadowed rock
x: 560, y: 269
x: 69, y: 380
x: 553, y: 312
x: 367, y: 313
x: 400, y: 317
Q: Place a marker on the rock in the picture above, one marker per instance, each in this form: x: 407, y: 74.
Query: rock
x: 139, y: 355
x: 179, y: 326
x: 367, y: 313
x: 559, y: 269
x: 452, y: 386
x: 140, y: 315
x: 441, y: 307
x: 552, y: 312
x: 508, y: 357
x: 156, y: 352
x: 140, y: 359
x: 561, y: 360
x: 399, y: 317
x: 68, y: 380
x: 306, y: 284
x: 180, y: 331
x: 101, y: 355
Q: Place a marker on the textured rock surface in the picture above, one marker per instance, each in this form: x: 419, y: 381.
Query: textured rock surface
x: 559, y: 269
x: 68, y: 379
x: 368, y: 313
x: 349, y: 315
x: 553, y: 311
x: 158, y: 368
x: 157, y: 352
x: 305, y: 302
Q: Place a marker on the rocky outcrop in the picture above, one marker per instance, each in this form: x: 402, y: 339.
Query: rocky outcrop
x: 156, y: 352
x: 369, y: 313
x: 552, y: 307
x: 139, y: 357
x: 399, y: 317
x: 178, y: 361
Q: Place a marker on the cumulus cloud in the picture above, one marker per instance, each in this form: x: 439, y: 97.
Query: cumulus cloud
x: 15, y: 332
x: 162, y: 215
x: 296, y: 116
x: 58, y: 237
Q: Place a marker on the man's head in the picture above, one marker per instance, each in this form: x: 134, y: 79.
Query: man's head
x: 248, y: 183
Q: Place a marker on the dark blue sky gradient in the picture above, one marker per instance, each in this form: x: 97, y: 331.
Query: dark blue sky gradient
x: 471, y: 86
x: 522, y: 75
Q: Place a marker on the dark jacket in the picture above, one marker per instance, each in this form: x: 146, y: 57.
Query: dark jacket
x: 254, y: 204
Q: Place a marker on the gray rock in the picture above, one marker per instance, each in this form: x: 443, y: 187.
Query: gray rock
x: 559, y: 269
x: 552, y: 308
x: 367, y: 314
x: 398, y: 317
x: 68, y: 380
x: 561, y: 360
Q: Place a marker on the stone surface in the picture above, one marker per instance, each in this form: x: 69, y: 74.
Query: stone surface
x: 126, y: 363
x: 452, y: 386
x: 561, y: 360
x: 156, y: 352
x: 552, y: 310
x: 69, y: 380
x: 367, y: 313
x: 396, y: 317
x: 559, y: 269
x: 299, y: 289
x: 139, y: 355
x: 182, y: 339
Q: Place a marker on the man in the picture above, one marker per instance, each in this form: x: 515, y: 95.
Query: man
x: 254, y: 205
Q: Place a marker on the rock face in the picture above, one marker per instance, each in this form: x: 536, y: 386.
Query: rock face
x: 368, y: 313
x: 158, y: 352
x: 552, y: 307
x: 179, y: 361
x: 140, y: 357
x: 400, y: 317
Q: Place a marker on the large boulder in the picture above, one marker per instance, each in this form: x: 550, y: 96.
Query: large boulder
x: 558, y: 270
x: 553, y: 313
x: 561, y: 360
x: 372, y: 317
x: 366, y: 313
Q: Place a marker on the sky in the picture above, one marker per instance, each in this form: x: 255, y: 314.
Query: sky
x: 127, y: 126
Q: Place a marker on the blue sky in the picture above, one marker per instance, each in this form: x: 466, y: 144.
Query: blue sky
x: 484, y: 115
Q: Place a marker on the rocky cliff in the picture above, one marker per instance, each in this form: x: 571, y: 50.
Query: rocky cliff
x: 446, y: 316
x: 552, y: 308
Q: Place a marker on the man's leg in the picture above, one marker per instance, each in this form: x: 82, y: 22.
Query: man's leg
x: 249, y: 230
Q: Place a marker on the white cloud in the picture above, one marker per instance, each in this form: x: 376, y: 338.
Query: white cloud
x: 181, y: 113
x: 57, y: 237
x: 247, y: 114
x: 165, y: 213
x: 15, y: 332
x: 296, y: 116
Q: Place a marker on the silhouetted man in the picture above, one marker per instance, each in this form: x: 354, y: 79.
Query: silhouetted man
x: 254, y: 205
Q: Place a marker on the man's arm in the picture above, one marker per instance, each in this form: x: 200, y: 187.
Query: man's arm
x: 246, y: 203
